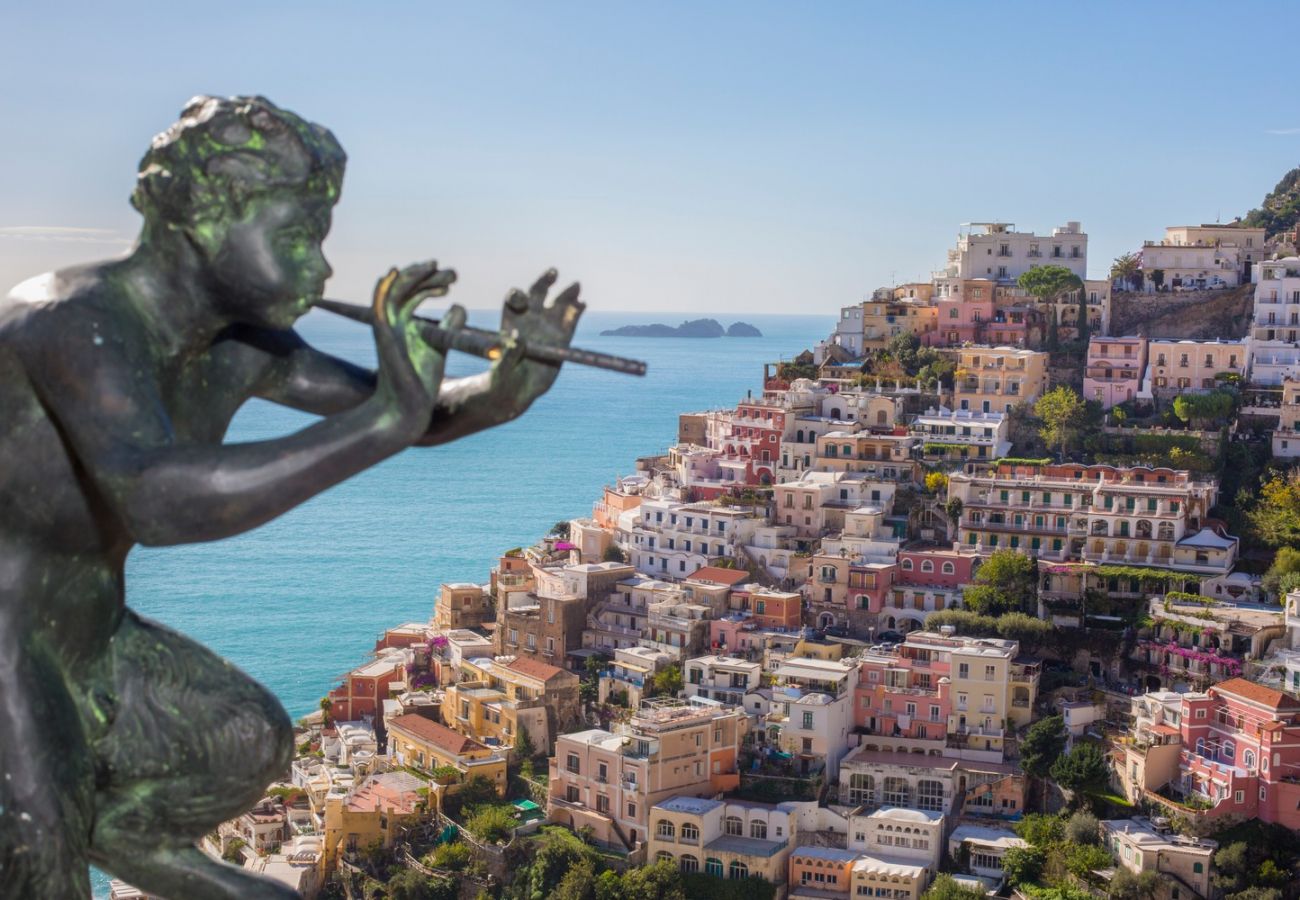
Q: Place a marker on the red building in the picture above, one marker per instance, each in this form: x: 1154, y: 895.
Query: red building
x: 365, y: 689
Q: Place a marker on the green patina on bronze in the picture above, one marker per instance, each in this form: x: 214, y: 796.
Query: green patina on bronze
x: 123, y: 742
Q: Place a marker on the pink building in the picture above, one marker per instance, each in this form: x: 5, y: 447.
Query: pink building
x: 1114, y: 370
x: 1240, y: 752
x: 961, y: 320
x: 903, y: 694
x: 737, y: 633
x: 936, y: 567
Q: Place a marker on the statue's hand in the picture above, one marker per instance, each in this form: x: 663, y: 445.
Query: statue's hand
x: 410, y: 371
x: 528, y: 319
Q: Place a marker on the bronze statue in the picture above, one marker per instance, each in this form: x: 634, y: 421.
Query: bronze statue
x: 121, y: 741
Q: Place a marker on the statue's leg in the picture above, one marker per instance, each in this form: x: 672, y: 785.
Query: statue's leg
x: 194, y: 742
x: 46, y: 775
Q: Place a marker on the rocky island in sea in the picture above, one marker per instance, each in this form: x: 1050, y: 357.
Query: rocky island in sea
x: 695, y: 328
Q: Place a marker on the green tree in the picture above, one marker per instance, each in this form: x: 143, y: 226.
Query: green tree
x: 1064, y: 416
x: 660, y: 881
x: 945, y: 887
x: 1083, y: 828
x: 1049, y: 282
x: 668, y: 681
x: 1203, y: 410
x: 408, y: 884
x: 613, y: 554
x: 1039, y: 829
x: 1124, y: 885
x: 560, y: 529
x: 1043, y: 744
x: 1286, y: 562
x: 576, y: 883
x: 1023, y: 865
x: 1127, y: 269
x: 1083, y: 769
x: 491, y: 823
x: 1007, y: 581
x: 1082, y: 859
x: 1275, y: 518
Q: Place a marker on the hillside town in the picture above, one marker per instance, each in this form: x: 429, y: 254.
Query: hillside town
x: 976, y: 597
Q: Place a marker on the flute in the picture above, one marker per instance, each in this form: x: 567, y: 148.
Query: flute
x: 487, y: 344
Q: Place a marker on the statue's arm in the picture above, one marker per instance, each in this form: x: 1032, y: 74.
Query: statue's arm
x: 167, y: 491
x: 305, y: 378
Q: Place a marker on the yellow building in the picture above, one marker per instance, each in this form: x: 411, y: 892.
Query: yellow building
x: 497, y: 698
x: 994, y: 379
x: 372, y: 814
x: 723, y: 839
x: 425, y: 745
x: 883, y: 320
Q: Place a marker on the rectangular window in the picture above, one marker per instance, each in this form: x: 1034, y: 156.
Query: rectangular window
x: 807, y: 720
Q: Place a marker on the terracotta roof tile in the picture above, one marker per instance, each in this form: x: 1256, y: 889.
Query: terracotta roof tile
x: 438, y: 735
x: 719, y: 575
x: 1257, y: 693
x: 534, y: 668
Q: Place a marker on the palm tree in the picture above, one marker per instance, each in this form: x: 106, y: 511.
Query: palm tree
x: 1127, y: 269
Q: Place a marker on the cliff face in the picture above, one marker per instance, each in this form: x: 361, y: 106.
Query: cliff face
x: 1280, y: 210
x: 1196, y: 315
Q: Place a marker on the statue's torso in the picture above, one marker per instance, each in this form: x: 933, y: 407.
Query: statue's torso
x: 62, y: 548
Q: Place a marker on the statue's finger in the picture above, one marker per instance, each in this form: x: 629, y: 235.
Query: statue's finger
x: 537, y: 295
x: 517, y: 301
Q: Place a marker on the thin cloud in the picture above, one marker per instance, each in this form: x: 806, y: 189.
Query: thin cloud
x: 1282, y: 131
x: 62, y: 233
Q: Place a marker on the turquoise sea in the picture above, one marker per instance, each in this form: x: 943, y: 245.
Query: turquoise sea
x: 299, y: 602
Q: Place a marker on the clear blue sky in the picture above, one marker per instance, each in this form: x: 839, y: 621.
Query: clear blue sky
x: 674, y: 157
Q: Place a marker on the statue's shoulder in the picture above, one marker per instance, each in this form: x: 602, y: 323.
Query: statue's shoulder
x: 70, y: 306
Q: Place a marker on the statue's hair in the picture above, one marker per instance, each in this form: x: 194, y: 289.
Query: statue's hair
x: 223, y: 151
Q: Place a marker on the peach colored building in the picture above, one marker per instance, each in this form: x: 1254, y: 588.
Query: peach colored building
x: 1179, y: 367
x: 667, y: 749
x: 723, y: 838
x: 821, y: 873
x: 994, y: 379
x: 963, y: 309
x: 1114, y: 369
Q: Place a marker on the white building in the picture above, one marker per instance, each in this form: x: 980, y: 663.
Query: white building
x: 668, y: 538
x: 914, y: 835
x: 722, y: 678
x: 961, y: 434
x: 1275, y: 332
x: 995, y: 250
x: 1286, y: 437
x: 987, y: 845
x: 812, y: 711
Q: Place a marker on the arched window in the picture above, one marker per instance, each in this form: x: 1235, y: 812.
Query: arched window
x: 758, y: 829
x: 949, y: 568
x: 862, y: 789
x: 929, y: 795
x: 927, y: 565
x: 737, y: 869
x: 1229, y: 751
x: 689, y: 863
x: 1248, y: 758
x: 663, y: 855
x: 1200, y: 742
x: 734, y: 826
x: 665, y: 829
x: 907, y: 565
x: 713, y: 866
x: 690, y: 832
x: 897, y: 792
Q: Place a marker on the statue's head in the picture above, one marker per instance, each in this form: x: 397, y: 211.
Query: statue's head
x: 251, y: 187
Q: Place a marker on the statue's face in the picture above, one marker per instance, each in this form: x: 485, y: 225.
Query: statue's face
x: 268, y: 265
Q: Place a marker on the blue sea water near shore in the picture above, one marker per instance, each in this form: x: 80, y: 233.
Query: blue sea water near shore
x: 299, y: 601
